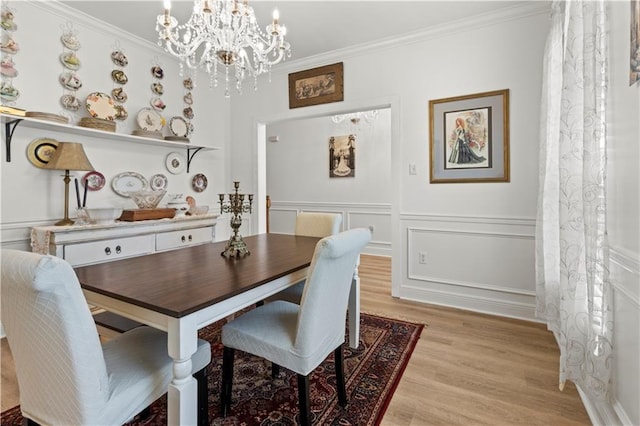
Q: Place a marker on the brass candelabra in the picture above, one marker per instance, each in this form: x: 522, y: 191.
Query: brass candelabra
x: 236, y: 205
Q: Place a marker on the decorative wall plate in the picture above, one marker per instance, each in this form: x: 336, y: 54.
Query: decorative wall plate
x: 121, y: 112
x: 9, y: 46
x: 176, y: 163
x: 119, y: 58
x: 157, y: 88
x: 158, y: 182
x: 178, y: 126
x: 127, y: 182
x: 118, y: 94
x: 70, y: 80
x: 188, y: 113
x: 95, y: 180
x: 188, y: 83
x: 70, y: 60
x: 188, y: 98
x: 40, y: 151
x: 70, y: 41
x: 157, y: 104
x: 150, y: 120
x: 70, y: 102
x: 199, y: 182
x: 100, y: 105
x: 8, y: 93
x: 157, y: 72
x: 119, y: 76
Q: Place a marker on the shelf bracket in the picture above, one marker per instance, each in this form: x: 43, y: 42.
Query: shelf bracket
x: 191, y: 155
x: 9, y: 127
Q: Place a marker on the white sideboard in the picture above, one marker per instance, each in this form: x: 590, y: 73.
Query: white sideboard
x: 88, y: 244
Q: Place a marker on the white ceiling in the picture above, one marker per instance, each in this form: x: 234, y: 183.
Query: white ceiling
x: 313, y: 27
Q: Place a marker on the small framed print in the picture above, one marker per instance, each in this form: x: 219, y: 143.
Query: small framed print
x: 342, y: 156
x: 316, y: 86
x: 470, y: 138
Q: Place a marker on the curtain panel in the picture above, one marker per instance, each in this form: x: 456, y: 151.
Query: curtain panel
x: 574, y: 294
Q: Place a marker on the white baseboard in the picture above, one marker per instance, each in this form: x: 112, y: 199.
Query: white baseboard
x: 485, y: 305
x: 604, y: 414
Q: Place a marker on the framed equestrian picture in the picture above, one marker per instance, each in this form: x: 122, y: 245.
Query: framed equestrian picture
x: 316, y: 86
x: 469, y: 138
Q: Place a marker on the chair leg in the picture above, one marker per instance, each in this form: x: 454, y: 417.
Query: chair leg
x: 303, y: 400
x: 144, y: 414
x: 227, y: 381
x: 275, y: 370
x: 203, y: 397
x: 339, y: 360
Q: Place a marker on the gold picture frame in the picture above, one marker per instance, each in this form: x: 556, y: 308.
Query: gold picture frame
x: 316, y: 86
x: 469, y: 138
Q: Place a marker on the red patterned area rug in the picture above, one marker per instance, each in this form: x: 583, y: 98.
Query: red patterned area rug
x: 372, y: 373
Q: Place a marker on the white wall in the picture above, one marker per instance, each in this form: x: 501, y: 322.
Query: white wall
x: 32, y: 196
x: 456, y: 225
x: 623, y: 216
x: 298, y: 176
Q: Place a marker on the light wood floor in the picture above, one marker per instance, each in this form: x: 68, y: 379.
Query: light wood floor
x: 467, y: 368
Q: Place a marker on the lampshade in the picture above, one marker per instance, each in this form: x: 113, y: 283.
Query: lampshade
x: 69, y: 156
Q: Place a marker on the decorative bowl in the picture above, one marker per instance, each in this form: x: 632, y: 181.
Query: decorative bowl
x: 198, y: 210
x: 147, y: 199
x: 104, y: 215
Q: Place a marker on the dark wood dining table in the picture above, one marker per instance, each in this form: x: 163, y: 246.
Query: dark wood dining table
x: 181, y: 291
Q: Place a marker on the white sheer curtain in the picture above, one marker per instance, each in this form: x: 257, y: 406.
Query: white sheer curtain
x: 572, y: 275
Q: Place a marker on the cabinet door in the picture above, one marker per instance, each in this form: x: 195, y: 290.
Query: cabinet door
x: 183, y: 238
x: 108, y: 250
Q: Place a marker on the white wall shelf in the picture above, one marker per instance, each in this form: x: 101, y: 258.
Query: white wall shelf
x: 10, y: 123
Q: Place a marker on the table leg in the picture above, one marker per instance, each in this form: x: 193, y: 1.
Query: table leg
x: 182, y: 395
x: 354, y: 309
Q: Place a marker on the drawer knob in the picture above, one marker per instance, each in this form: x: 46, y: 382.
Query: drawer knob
x: 190, y: 237
x: 118, y: 249
x: 107, y: 251
x: 183, y: 239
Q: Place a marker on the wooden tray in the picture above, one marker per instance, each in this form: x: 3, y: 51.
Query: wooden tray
x: 146, y: 214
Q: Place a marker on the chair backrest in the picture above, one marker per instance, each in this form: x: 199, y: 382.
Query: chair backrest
x: 323, y: 308
x: 311, y: 224
x: 58, y: 357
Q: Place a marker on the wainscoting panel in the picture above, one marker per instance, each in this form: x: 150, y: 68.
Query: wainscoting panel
x: 477, y: 263
x: 17, y: 235
x: 625, y: 277
x: 282, y: 217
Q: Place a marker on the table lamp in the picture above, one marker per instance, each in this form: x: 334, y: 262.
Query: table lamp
x: 68, y: 156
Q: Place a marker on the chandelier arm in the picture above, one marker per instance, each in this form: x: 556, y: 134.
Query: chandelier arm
x: 227, y: 34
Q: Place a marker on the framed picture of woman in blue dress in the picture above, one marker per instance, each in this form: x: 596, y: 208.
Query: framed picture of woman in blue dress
x: 470, y: 138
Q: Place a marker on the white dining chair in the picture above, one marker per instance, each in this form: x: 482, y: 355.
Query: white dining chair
x: 300, y: 337
x: 309, y: 224
x: 66, y: 376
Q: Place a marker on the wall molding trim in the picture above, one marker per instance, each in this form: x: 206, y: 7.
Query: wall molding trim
x: 436, y: 31
x: 319, y: 205
x: 485, y: 305
x: 631, y: 265
x: 69, y: 13
x: 511, y: 221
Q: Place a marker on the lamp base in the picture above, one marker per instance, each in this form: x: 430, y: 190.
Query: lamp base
x: 236, y: 247
x: 64, y: 222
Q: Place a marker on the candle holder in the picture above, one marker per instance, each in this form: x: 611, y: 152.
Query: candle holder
x: 236, y: 205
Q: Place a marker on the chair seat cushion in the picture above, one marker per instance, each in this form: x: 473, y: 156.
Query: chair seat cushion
x: 138, y: 365
x: 270, y: 330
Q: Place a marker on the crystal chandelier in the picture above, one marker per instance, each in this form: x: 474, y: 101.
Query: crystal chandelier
x: 223, y: 33
x: 355, y: 119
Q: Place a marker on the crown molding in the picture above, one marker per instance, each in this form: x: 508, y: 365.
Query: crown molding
x: 437, y: 31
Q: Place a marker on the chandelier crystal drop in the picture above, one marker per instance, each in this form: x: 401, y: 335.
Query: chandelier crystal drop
x: 224, y: 33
